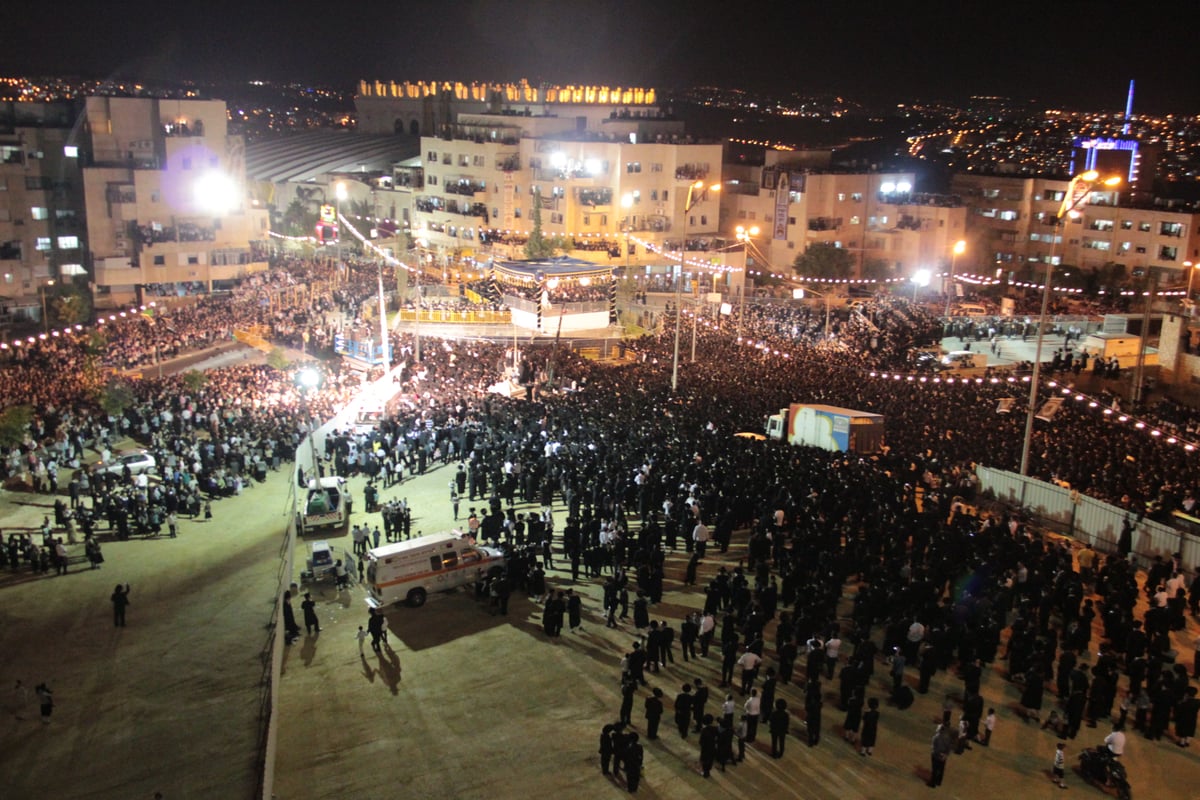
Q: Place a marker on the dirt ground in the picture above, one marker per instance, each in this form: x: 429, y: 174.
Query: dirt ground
x: 462, y: 705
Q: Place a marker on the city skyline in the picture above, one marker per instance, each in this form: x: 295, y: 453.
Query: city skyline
x: 1072, y: 55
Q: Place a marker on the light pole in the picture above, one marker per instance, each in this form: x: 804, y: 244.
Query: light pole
x: 696, y: 192
x: 744, y: 235
x: 627, y: 224
x: 1077, y: 191
x: 339, y: 194
x: 1191, y: 268
x: 42, y: 291
x: 960, y: 247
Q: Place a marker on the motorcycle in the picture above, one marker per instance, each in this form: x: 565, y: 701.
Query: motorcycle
x: 1099, y: 766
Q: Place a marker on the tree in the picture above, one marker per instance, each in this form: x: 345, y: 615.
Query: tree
x: 298, y: 219
x: 277, y: 359
x: 14, y: 424
x: 538, y: 247
x: 70, y: 304
x: 115, y: 397
x: 824, y: 261
x: 877, y: 269
x: 194, y: 380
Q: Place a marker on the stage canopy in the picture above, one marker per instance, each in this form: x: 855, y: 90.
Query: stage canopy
x: 561, y: 267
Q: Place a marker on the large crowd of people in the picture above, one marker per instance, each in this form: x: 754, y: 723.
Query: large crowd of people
x: 642, y: 470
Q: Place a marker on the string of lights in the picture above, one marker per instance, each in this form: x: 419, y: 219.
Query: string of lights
x: 1067, y: 393
x: 102, y: 319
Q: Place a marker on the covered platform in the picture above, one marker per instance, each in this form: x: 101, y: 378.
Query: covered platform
x: 557, y: 294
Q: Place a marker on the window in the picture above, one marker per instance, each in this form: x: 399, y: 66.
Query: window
x: 703, y: 219
x: 1144, y: 227
x: 991, y: 194
x: 1054, y: 195
x: 854, y: 220
x: 464, y: 160
x: 431, y: 180
x: 70, y: 151
x: 435, y: 563
x: 665, y: 193
x: 654, y: 195
x: 587, y: 220
x: 1170, y: 229
x: 1125, y: 246
x: 1008, y: 216
x: 43, y: 243
x: 160, y: 261
x: 841, y: 197
x: 450, y: 560
x: 653, y: 168
x: 477, y: 161
x: 1166, y: 253
x: 637, y: 195
x: 791, y: 220
x: 1126, y: 224
x: 38, y: 212
x: 1101, y: 225
x: 1140, y: 250
x: 856, y: 197
x: 68, y: 242
x: 431, y: 157
x: 633, y: 166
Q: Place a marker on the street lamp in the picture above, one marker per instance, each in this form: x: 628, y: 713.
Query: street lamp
x: 42, y: 291
x: 339, y: 194
x: 1077, y: 192
x: 920, y: 279
x: 744, y: 235
x: 960, y: 247
x: 696, y: 192
x: 1191, y: 268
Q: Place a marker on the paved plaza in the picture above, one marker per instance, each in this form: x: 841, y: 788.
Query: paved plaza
x: 463, y: 705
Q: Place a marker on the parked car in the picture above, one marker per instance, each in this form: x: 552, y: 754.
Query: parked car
x: 138, y: 462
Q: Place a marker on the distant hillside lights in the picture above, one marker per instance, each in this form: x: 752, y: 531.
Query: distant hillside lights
x: 513, y: 92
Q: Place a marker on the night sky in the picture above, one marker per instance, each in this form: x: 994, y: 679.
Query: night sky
x: 1076, y: 55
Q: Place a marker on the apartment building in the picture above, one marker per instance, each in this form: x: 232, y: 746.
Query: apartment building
x: 42, y: 233
x: 165, y: 195
x: 628, y: 180
x: 798, y: 201
x: 1013, y: 221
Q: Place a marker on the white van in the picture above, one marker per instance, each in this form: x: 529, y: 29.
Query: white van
x: 326, y: 503
x: 440, y: 562
x: 964, y: 359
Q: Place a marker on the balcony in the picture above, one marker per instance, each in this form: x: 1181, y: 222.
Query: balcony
x: 692, y: 172
x: 510, y: 164
x: 817, y: 224
x: 593, y: 198
x: 464, y: 186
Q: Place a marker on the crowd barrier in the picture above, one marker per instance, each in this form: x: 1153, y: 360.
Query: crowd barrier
x: 1087, y: 519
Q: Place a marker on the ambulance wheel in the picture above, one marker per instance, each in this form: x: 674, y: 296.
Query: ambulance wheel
x: 416, y: 598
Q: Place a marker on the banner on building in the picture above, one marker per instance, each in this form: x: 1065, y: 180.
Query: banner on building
x: 782, y: 197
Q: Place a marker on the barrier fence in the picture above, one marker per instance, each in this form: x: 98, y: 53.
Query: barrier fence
x: 1087, y: 519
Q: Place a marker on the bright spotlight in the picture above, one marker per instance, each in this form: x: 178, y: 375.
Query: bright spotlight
x: 216, y: 193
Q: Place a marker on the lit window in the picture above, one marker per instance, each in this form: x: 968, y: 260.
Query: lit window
x: 71, y: 151
x: 43, y: 243
x: 68, y: 242
x: 38, y: 212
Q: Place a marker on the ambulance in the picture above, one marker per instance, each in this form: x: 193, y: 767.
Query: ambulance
x: 406, y: 572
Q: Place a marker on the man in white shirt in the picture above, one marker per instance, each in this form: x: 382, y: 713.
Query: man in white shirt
x: 700, y: 538
x: 749, y: 663
x: 1115, y: 741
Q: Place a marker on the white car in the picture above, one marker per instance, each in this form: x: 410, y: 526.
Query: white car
x: 138, y: 462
